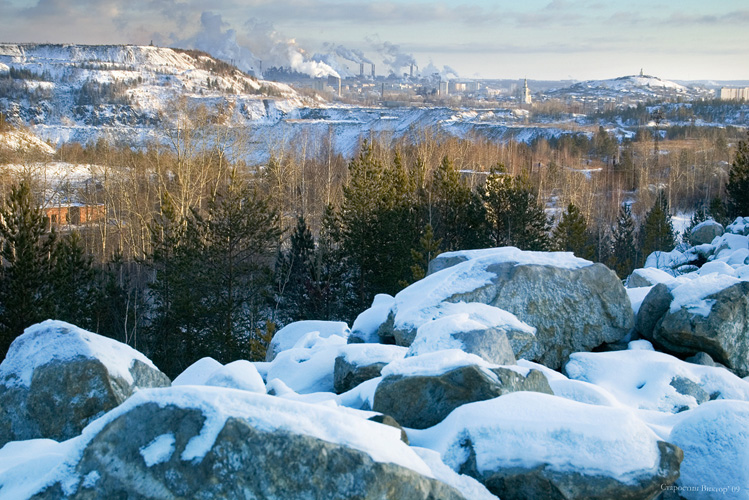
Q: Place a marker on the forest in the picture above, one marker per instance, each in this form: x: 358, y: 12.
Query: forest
x: 203, y: 254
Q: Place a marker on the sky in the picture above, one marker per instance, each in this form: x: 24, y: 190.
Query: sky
x: 534, y: 39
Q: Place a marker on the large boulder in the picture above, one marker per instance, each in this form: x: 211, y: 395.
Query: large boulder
x: 573, y: 304
x: 645, y: 379
x: 707, y: 314
x: 193, y: 442
x: 358, y: 363
x: 289, y: 336
x: 486, y: 331
x: 705, y: 232
x: 367, y: 324
x: 421, y: 391
x: 528, y: 445
x: 714, y: 440
x: 56, y: 378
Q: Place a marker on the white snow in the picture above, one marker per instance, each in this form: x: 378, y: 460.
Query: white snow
x: 367, y: 323
x: 367, y: 354
x: 24, y: 463
x: 692, y: 294
x: 57, y: 341
x: 198, y: 372
x: 528, y: 429
x: 418, y: 303
x: 310, y: 366
x: 715, y: 440
x: 667, y: 261
x: 240, y: 374
x: 288, y: 336
x: 435, y: 364
x: 159, y: 450
x: 738, y: 226
x: 641, y: 378
x: 636, y: 296
x: 652, y: 275
x: 452, y: 318
x: 466, y: 485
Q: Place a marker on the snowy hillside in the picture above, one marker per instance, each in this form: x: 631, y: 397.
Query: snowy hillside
x: 80, y: 93
x: 633, y: 87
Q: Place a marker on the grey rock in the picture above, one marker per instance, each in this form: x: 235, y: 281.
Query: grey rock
x: 348, y: 375
x: 542, y: 483
x: 65, y: 396
x: 705, y: 232
x: 572, y: 309
x: 494, y: 345
x: 723, y: 333
x: 655, y: 304
x: 688, y: 387
x: 244, y: 462
x: 419, y: 402
x: 702, y: 358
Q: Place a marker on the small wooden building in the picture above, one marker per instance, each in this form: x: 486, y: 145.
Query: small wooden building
x: 74, y: 214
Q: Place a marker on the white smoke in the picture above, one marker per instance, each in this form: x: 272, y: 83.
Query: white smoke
x: 221, y: 44
x: 393, y: 56
x: 443, y: 74
x: 353, y: 55
x: 275, y: 49
x: 261, y: 46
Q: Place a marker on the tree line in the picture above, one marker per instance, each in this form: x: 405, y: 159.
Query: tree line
x: 202, y: 255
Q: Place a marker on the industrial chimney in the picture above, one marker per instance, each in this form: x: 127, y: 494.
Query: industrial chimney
x: 412, y: 70
x: 361, y: 70
x: 373, y: 70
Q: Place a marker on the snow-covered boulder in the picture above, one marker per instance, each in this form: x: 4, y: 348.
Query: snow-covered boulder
x: 476, y: 329
x: 645, y: 379
x: 739, y: 226
x: 309, y: 365
x: 288, y: 336
x: 240, y: 374
x: 216, y: 443
x: 707, y: 314
x: 669, y: 262
x: 420, y: 391
x: 715, y: 442
x: 574, y: 305
x: 530, y: 445
x: 56, y: 378
x: 705, y: 232
x: 367, y: 324
x: 358, y: 363
x: 648, y: 276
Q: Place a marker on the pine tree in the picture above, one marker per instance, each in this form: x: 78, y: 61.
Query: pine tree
x: 513, y: 214
x: 428, y: 250
x: 657, y: 230
x: 571, y: 234
x: 624, y: 250
x: 27, y: 253
x: 737, y: 189
x: 295, y: 275
x: 75, y: 284
x: 458, y: 214
x: 240, y: 232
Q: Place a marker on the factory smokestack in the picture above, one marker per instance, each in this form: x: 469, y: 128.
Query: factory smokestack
x: 412, y: 70
x: 361, y: 70
x: 373, y: 70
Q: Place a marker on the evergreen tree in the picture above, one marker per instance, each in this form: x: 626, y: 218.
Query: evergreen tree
x: 571, y: 234
x: 27, y: 252
x: 717, y: 210
x: 295, y: 278
x: 75, y: 284
x: 624, y: 250
x: 428, y: 250
x: 458, y: 215
x: 240, y: 233
x: 513, y: 214
x: 657, y: 230
x: 737, y: 189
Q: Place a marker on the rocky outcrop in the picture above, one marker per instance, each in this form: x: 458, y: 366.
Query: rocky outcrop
x: 705, y: 232
x: 653, y: 307
x: 422, y: 401
x: 56, y: 378
x: 358, y: 363
x: 719, y: 327
x: 162, y: 449
x: 574, y: 305
x: 535, y: 446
